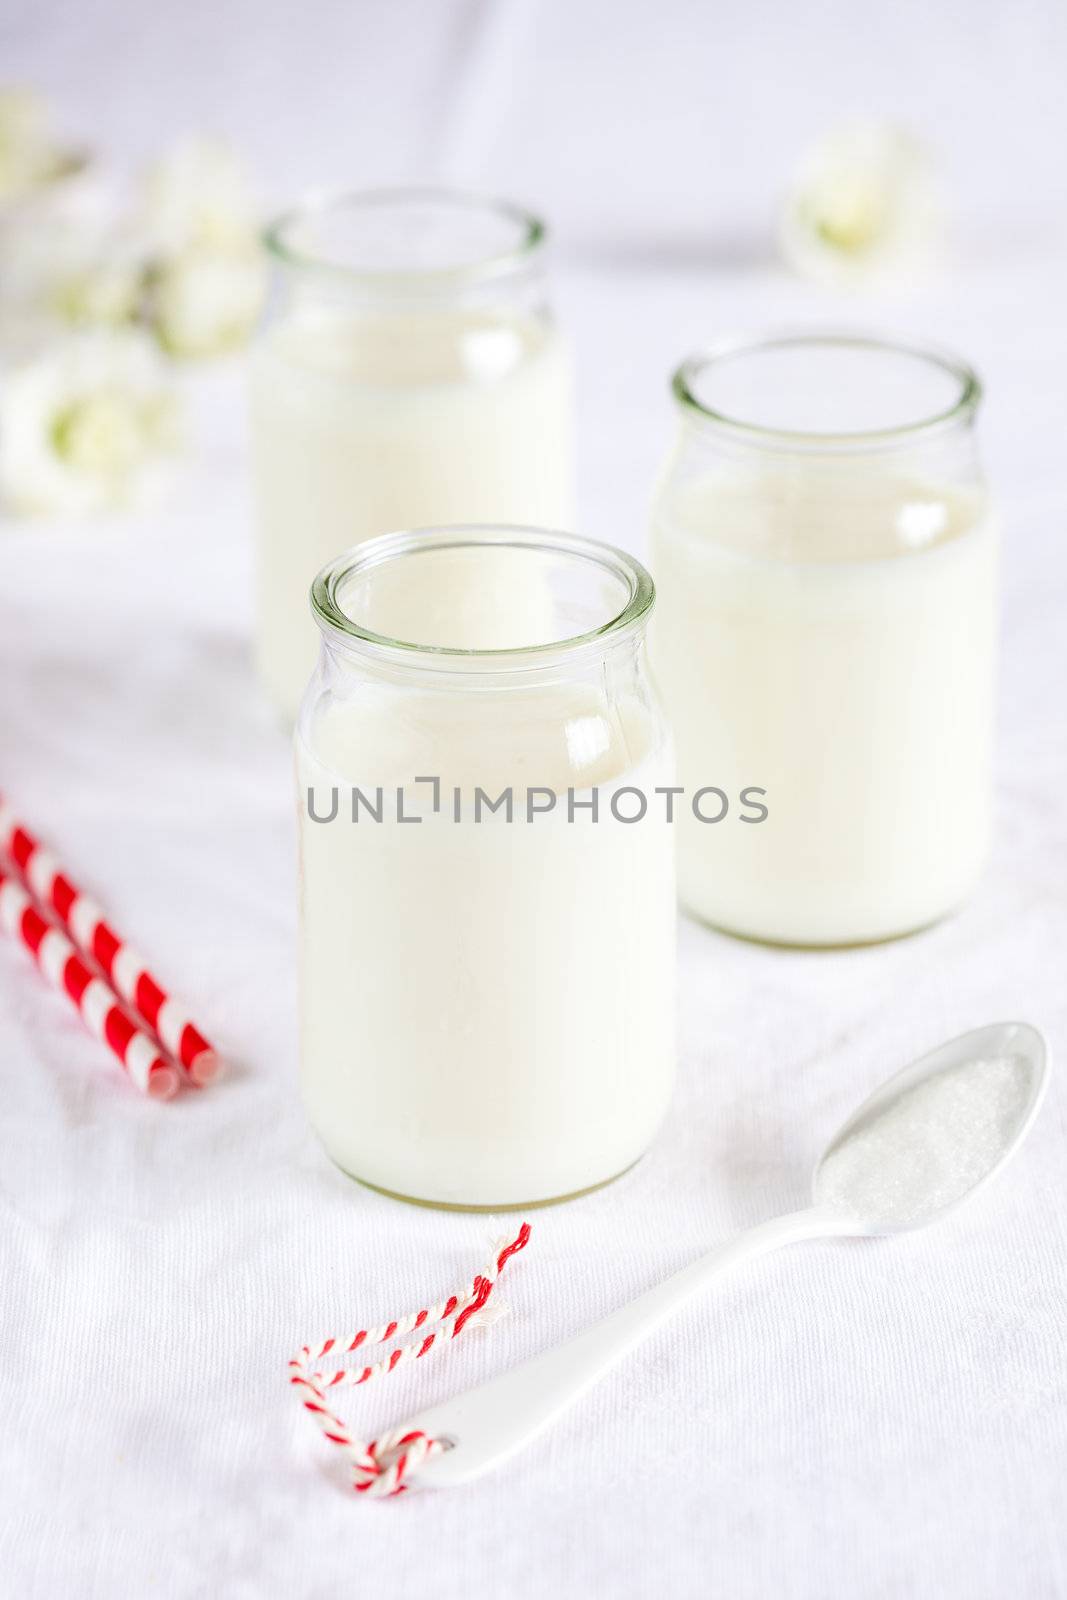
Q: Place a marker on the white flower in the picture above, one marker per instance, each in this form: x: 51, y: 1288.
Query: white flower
x: 206, y: 301
x: 105, y: 289
x: 208, y: 277
x: 85, y: 427
x: 184, y: 261
x: 29, y: 154
x: 68, y: 270
x: 865, y: 207
x: 198, y: 195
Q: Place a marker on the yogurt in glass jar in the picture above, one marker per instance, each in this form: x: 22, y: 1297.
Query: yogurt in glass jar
x: 486, y: 889
x: 410, y: 371
x: 826, y: 562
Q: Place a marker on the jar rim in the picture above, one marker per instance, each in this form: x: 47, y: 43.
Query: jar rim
x: 961, y: 411
x: 531, y: 233
x: 335, y: 624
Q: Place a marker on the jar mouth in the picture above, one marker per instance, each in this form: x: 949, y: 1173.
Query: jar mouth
x: 826, y: 390
x: 410, y: 239
x: 625, y: 597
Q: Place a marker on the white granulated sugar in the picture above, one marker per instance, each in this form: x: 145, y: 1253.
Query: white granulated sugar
x: 918, y: 1153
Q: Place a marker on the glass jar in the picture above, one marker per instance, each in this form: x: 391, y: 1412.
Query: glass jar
x: 827, y: 573
x: 409, y: 371
x: 487, y: 883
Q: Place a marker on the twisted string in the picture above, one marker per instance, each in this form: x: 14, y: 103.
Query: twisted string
x: 381, y: 1466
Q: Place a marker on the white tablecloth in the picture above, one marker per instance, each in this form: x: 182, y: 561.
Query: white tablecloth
x: 844, y: 1419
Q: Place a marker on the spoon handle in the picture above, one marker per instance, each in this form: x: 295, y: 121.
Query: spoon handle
x: 489, y: 1423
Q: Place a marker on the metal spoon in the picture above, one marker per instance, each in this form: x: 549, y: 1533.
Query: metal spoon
x: 925, y: 1142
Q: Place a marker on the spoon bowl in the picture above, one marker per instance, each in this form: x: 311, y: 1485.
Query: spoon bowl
x: 937, y: 1131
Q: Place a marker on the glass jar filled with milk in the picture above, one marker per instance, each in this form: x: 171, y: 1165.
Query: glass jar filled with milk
x: 487, y: 889
x: 410, y: 372
x: 826, y: 563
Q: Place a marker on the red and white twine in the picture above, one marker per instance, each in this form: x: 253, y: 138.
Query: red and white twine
x: 123, y: 968
x: 382, y: 1466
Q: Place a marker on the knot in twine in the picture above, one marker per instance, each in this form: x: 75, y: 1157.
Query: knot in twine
x: 381, y: 1466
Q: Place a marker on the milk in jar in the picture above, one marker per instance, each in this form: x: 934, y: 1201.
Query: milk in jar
x: 826, y: 563
x: 412, y: 373
x: 487, y: 984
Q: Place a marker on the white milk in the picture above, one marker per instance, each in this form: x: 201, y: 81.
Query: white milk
x: 365, y: 425
x: 834, y: 646
x: 487, y: 1010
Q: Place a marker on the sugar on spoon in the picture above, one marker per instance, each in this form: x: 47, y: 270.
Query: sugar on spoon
x: 921, y: 1145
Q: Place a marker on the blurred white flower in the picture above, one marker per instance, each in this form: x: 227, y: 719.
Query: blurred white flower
x: 86, y: 426
x: 67, y: 271
x: 865, y: 207
x: 181, y: 259
x: 104, y: 289
x: 199, y: 194
x: 29, y: 153
x: 208, y: 277
x: 207, y: 301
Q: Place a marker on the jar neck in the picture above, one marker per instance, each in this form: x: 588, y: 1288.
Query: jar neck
x: 949, y: 453
x: 481, y: 607
x: 610, y: 667
x: 522, y: 295
x: 411, y: 251
x: 829, y: 402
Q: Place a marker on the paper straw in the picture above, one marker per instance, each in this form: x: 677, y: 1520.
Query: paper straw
x: 65, y: 969
x: 124, y: 969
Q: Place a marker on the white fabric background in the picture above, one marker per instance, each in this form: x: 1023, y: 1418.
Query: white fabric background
x: 868, y: 1420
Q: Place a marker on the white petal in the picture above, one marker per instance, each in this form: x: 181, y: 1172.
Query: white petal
x: 865, y: 206
x: 84, y: 426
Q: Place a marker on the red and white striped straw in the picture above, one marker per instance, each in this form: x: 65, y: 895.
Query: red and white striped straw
x: 124, y: 969
x: 65, y: 969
